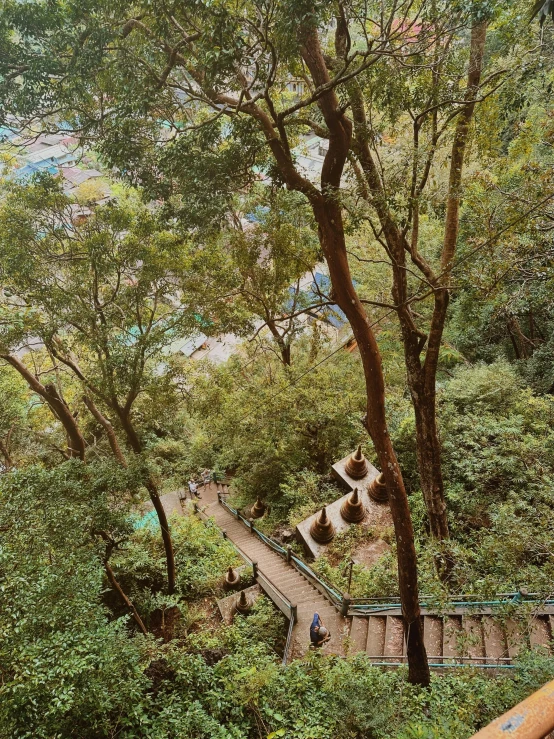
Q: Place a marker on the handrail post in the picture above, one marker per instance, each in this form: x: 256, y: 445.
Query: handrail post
x: 255, y: 570
x: 346, y: 600
x: 350, y: 565
x: 294, y: 612
x: 289, y: 553
x: 224, y: 532
x: 251, y: 522
x: 219, y: 497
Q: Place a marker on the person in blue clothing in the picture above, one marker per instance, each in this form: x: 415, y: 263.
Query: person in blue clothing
x: 319, y: 634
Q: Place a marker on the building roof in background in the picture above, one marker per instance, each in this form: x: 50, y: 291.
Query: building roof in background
x: 30, y: 169
x: 186, y: 346
x: 77, y: 176
x: 58, y: 153
x: 319, y: 285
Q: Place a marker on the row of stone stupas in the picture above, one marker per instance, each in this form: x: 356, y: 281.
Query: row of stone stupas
x: 352, y: 510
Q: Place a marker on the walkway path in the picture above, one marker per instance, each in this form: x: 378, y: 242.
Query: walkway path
x: 285, y: 577
x: 463, y: 633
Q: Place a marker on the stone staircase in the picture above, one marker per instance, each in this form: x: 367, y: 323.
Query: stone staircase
x: 284, y: 577
x: 460, y: 636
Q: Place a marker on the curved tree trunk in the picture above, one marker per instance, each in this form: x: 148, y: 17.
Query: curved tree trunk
x: 136, y: 445
x: 110, y: 544
x: 332, y: 238
x: 49, y: 393
x: 119, y: 590
x: 110, y: 433
x: 8, y: 462
x: 328, y: 214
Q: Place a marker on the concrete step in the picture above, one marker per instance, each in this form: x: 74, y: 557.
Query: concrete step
x: 376, y: 629
x: 539, y: 633
x: 298, y: 594
x: 474, y: 643
x: 494, y: 638
x: 514, y: 637
x: 324, y: 614
x: 285, y: 584
x: 451, y: 631
x: 394, y: 637
x: 290, y: 582
x: 278, y: 569
x: 358, y: 634
x: 432, y: 637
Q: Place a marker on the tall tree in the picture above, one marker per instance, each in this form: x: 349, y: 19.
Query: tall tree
x: 106, y: 297
x: 428, y: 110
x: 160, y: 64
x: 268, y: 256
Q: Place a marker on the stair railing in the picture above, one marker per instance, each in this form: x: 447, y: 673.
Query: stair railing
x: 288, y: 609
x: 533, y: 718
x: 367, y: 606
x: 348, y: 606
x: 292, y: 621
x: 333, y: 593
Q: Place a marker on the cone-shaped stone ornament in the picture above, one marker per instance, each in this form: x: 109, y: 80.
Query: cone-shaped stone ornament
x: 322, y: 529
x: 378, y: 489
x: 232, y: 579
x: 258, y: 509
x: 243, y: 605
x: 356, y: 466
x: 352, y: 510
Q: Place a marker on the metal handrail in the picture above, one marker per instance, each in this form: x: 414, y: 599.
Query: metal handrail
x: 459, y: 599
x: 258, y: 576
x: 369, y: 608
x: 335, y: 596
x: 533, y: 718
x: 361, y: 606
x: 292, y: 621
x: 365, y: 606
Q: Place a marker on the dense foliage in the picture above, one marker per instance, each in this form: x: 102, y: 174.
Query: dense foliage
x: 401, y: 287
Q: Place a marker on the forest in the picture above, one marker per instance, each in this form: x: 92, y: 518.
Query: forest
x: 277, y: 319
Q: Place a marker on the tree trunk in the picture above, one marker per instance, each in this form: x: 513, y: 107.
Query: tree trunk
x: 110, y: 544
x: 328, y: 214
x: 117, y: 587
x: 8, y: 462
x: 422, y: 375
x: 56, y: 403
x: 136, y: 445
x: 331, y: 232
x: 284, y: 348
x: 110, y: 433
x: 429, y: 460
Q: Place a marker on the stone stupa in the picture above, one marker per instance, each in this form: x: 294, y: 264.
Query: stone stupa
x: 378, y: 489
x: 322, y: 529
x: 353, y: 510
x: 356, y: 467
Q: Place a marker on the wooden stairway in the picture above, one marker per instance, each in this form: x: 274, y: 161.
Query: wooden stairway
x: 283, y: 576
x: 467, y: 638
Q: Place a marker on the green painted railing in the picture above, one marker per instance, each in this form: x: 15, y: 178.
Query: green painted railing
x: 272, y: 591
x: 348, y: 606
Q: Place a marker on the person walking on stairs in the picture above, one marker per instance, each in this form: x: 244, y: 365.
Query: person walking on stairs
x: 193, y: 489
x: 318, y: 633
